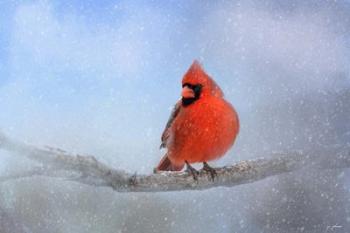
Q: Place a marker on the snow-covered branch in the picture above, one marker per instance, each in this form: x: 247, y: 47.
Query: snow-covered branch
x: 86, y: 169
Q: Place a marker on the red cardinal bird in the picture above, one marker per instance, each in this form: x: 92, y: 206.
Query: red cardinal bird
x: 202, y: 126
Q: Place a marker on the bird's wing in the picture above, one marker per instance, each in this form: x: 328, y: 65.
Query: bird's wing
x: 173, y: 115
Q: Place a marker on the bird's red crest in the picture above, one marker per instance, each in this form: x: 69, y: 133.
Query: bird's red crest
x: 197, y: 75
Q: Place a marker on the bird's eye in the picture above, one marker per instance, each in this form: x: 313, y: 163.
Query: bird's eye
x: 197, y: 88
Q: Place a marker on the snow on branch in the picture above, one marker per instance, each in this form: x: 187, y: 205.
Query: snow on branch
x: 86, y: 169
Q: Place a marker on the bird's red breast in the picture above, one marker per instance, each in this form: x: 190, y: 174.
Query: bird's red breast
x: 202, y: 126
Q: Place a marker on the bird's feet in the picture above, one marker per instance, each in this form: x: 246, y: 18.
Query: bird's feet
x: 192, y: 171
x: 132, y: 180
x: 210, y: 170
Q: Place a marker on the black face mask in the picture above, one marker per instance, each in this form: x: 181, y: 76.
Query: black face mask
x: 197, y: 89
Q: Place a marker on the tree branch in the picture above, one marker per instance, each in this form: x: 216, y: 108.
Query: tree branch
x: 88, y: 170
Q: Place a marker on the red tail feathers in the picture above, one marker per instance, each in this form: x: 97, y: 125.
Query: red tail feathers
x: 166, y: 165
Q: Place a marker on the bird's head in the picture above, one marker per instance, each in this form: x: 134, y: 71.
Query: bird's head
x: 197, y: 84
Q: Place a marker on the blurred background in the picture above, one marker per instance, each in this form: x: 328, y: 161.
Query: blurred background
x: 101, y: 78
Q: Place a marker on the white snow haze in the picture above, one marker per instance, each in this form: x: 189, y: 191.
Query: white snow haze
x: 101, y: 78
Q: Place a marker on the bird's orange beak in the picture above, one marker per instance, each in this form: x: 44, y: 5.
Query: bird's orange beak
x: 187, y: 92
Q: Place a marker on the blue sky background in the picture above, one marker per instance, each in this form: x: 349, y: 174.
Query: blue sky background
x: 101, y: 77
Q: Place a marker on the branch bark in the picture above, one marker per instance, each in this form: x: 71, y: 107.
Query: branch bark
x: 87, y: 170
